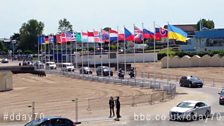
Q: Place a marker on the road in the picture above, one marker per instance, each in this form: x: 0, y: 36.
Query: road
x: 217, y: 117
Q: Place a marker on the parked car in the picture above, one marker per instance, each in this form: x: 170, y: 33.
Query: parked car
x: 38, y: 65
x: 85, y: 70
x: 190, y: 81
x: 51, y: 65
x: 190, y: 110
x: 5, y: 60
x: 104, y: 71
x: 221, y: 97
x: 51, y: 121
x: 68, y: 67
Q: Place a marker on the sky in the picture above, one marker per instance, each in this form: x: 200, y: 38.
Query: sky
x: 96, y: 14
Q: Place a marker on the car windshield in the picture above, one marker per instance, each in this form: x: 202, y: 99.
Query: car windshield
x: 194, y: 78
x: 222, y: 92
x: 185, y: 105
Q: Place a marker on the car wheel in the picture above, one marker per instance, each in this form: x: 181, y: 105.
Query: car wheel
x: 190, y: 85
x: 207, y: 114
x: 193, y: 117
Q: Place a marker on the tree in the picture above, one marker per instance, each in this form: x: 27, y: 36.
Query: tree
x: 64, y: 26
x: 209, y: 24
x: 29, y: 33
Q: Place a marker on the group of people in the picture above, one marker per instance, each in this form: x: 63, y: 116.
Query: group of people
x: 112, y: 104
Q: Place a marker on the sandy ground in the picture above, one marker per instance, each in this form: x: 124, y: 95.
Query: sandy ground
x: 53, y: 95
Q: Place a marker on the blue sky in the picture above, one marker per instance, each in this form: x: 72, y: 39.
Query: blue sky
x: 95, y: 14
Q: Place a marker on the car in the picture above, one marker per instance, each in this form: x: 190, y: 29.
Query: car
x: 5, y: 60
x: 51, y: 65
x: 38, y: 65
x: 69, y: 67
x: 85, y: 70
x: 221, y: 97
x: 51, y: 121
x: 104, y: 71
x: 190, y: 110
x: 190, y: 81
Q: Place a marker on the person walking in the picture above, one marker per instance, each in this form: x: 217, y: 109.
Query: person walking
x: 118, y: 106
x: 111, y: 105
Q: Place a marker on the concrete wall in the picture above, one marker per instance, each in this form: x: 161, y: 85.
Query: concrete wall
x: 6, y: 83
x: 195, y: 61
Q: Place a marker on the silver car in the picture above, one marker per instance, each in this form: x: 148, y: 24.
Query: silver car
x: 190, y: 110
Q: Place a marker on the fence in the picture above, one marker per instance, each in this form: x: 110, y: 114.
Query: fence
x: 212, y: 82
x: 84, y: 109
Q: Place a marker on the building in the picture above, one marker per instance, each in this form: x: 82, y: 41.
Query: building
x: 206, y: 40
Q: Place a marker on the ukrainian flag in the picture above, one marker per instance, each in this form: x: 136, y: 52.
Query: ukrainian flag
x: 176, y: 33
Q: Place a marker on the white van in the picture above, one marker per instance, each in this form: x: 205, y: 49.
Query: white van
x: 51, y: 65
x: 67, y: 67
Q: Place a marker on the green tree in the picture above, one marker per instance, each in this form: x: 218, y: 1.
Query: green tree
x: 29, y: 33
x: 205, y: 24
x: 64, y: 26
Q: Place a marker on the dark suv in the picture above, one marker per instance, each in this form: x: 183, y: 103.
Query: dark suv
x: 104, y: 71
x: 190, y: 81
x: 221, y: 97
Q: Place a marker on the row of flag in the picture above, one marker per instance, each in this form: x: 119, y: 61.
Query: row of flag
x: 112, y: 35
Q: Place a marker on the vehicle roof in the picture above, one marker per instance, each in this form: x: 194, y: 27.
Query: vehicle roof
x: 193, y: 101
x: 49, y: 118
x: 50, y: 62
x: 66, y: 63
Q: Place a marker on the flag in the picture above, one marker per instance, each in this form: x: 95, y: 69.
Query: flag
x: 128, y: 35
x: 137, y: 34
x: 148, y: 34
x: 176, y: 33
x: 113, y: 35
x: 68, y: 36
x: 105, y: 36
x: 78, y: 37
x: 73, y: 35
x: 90, y: 37
x: 51, y: 39
x: 161, y: 33
x: 120, y: 37
x: 96, y: 36
x: 46, y: 41
x: 58, y: 37
x: 41, y: 40
x: 63, y: 38
x: 84, y: 37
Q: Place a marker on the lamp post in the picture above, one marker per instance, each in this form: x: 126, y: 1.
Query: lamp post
x: 33, y: 110
x: 76, y: 111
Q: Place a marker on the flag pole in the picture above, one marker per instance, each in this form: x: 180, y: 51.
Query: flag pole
x: 143, y: 49
x: 82, y: 50
x: 76, y: 58
x: 101, y: 53
x: 61, y: 50
x: 118, y: 49
x: 66, y: 53
x: 38, y: 50
x: 134, y: 46
x: 109, y: 53
x: 94, y: 51
x: 154, y: 46
x: 53, y: 49
x: 125, y: 58
x: 57, y: 50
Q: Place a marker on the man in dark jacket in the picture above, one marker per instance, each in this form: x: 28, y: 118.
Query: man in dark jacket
x: 111, y: 105
x: 118, y: 106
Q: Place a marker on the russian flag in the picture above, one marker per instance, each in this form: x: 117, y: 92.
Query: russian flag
x: 128, y: 35
x: 148, y: 34
x: 113, y: 35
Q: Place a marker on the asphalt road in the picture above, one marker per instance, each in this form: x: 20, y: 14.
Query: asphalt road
x: 217, y: 117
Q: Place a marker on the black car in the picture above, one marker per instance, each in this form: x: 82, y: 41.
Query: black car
x: 190, y: 81
x: 85, y: 70
x: 104, y: 71
x: 221, y: 97
x: 51, y: 121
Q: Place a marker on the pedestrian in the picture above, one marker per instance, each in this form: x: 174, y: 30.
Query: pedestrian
x: 118, y: 108
x: 111, y: 105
